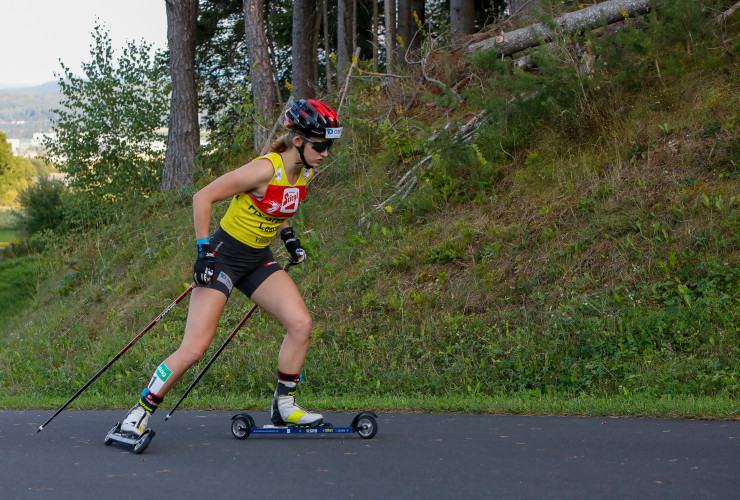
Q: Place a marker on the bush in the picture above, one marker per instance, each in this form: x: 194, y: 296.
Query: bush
x: 42, y: 206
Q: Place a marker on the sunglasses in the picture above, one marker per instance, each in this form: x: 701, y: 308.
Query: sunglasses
x: 318, y: 146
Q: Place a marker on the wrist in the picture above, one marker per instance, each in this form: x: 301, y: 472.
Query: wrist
x: 287, y: 233
x: 203, y: 245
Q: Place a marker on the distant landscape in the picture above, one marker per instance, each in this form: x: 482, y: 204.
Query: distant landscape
x: 25, y: 111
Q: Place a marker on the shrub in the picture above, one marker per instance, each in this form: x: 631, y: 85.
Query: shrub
x: 42, y: 206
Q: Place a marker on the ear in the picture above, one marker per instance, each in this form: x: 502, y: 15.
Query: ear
x: 297, y: 141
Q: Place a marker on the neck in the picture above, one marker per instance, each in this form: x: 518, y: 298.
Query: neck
x: 292, y: 160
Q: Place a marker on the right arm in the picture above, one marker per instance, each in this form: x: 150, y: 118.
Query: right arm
x: 252, y: 177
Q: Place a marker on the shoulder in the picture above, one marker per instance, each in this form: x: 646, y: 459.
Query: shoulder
x: 260, y: 170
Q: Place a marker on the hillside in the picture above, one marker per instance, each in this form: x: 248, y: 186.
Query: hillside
x: 567, y: 234
x: 25, y: 111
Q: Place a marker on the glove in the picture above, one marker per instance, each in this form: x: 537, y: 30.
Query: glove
x: 293, y: 245
x: 203, y: 267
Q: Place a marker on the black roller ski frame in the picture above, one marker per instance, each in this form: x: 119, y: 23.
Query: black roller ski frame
x: 137, y: 445
x: 365, y: 424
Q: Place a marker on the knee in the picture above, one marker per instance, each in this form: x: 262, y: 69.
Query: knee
x: 300, y: 328
x: 190, y: 355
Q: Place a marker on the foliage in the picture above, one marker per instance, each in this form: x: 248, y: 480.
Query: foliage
x: 42, y: 206
x: 581, y: 249
x: 15, y: 172
x: 107, y: 125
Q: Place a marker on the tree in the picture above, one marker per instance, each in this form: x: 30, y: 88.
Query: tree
x: 418, y: 15
x: 345, y: 43
x: 106, y: 126
x: 305, y: 47
x: 263, y: 91
x: 403, y: 27
x: 183, y: 138
x: 390, y: 34
x: 462, y: 17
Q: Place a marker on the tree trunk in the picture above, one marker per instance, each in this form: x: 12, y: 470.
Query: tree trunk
x: 260, y: 74
x: 304, y: 48
x: 327, y: 44
x: 588, y: 18
x: 462, y: 17
x: 273, y: 64
x: 403, y: 28
x: 390, y: 34
x: 183, y: 137
x: 344, y: 38
x: 376, y: 48
x: 418, y: 18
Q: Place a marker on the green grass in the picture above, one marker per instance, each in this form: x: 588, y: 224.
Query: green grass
x: 584, y: 406
x: 8, y: 225
x: 8, y: 235
x: 575, y: 259
x: 18, y: 279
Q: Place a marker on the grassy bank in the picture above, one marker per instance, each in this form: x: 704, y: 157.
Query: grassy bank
x: 578, y: 255
x: 619, y: 406
x: 8, y: 226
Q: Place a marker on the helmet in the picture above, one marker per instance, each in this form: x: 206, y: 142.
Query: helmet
x: 313, y: 118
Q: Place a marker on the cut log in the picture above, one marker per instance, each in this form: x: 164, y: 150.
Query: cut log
x: 608, y: 12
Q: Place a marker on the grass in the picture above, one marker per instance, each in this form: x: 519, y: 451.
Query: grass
x: 576, y: 259
x: 8, y: 235
x: 8, y: 225
x: 691, y: 407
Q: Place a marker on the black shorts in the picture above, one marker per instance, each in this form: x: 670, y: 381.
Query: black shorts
x: 239, y: 265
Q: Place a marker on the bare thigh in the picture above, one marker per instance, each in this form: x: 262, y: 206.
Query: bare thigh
x: 206, y: 307
x: 279, y: 296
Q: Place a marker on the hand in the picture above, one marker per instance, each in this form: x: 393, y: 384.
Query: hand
x: 293, y: 245
x: 203, y: 267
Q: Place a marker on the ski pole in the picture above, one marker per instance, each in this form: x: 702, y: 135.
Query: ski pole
x: 218, y: 352
x: 113, y: 360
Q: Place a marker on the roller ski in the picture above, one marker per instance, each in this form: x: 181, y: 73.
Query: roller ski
x: 133, y: 432
x: 364, y: 424
x: 137, y: 444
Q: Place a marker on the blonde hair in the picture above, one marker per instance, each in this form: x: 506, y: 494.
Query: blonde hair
x: 282, y: 143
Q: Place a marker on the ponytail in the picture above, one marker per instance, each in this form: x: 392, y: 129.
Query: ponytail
x: 282, y: 143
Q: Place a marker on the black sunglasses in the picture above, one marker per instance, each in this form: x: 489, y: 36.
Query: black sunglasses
x: 318, y: 146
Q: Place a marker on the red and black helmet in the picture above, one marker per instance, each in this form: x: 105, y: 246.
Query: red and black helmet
x: 313, y: 118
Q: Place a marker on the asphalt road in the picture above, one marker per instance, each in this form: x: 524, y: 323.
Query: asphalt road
x: 194, y: 455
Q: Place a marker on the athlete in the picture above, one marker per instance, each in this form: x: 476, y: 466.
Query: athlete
x: 264, y: 194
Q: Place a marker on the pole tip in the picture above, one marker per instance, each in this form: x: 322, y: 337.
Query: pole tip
x: 41, y: 428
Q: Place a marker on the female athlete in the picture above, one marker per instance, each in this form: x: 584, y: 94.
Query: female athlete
x: 264, y: 194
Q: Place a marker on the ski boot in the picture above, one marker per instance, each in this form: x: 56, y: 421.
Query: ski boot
x: 133, y: 430
x: 284, y: 410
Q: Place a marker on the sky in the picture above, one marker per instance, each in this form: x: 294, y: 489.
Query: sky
x: 36, y: 34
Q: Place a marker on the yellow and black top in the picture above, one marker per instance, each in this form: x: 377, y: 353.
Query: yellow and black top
x: 254, y: 220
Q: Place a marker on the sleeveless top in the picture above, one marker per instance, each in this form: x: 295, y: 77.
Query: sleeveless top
x: 254, y: 220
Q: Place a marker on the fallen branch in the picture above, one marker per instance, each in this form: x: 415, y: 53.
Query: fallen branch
x: 422, y: 62
x: 346, y: 78
x: 410, y: 179
x: 607, y: 12
x: 727, y: 13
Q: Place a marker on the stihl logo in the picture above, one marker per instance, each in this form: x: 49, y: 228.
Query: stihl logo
x: 274, y: 207
x: 291, y: 197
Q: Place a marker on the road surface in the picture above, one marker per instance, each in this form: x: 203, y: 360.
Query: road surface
x: 194, y: 455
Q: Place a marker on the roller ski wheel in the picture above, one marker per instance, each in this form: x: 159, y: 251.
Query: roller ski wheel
x: 137, y: 445
x: 241, y: 426
x: 365, y: 424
